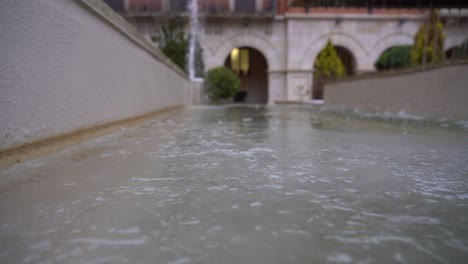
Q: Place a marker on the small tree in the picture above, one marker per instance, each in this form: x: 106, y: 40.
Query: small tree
x: 173, y: 42
x: 429, y: 41
x: 328, y: 63
x: 221, y: 83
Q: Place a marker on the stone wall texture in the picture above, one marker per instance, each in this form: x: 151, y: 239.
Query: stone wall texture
x: 439, y: 92
x: 68, y: 65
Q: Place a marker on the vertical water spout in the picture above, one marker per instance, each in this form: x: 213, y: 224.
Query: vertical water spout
x: 193, y: 7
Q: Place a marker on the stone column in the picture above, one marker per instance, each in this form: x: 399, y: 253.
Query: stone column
x: 165, y: 5
x: 259, y: 5
x: 276, y: 86
x: 299, y: 84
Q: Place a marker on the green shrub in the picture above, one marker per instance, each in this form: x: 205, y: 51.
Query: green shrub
x: 395, y: 57
x: 329, y: 64
x: 221, y: 83
x: 429, y: 41
x: 174, y: 43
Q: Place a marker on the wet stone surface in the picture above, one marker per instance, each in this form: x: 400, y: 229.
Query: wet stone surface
x: 233, y: 184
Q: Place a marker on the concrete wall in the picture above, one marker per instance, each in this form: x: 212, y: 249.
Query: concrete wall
x: 433, y: 93
x: 72, y: 64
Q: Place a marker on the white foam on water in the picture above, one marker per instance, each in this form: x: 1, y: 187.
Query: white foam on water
x: 406, y: 218
x: 255, y: 204
x: 50, y: 231
x: 398, y: 257
x: 155, y: 179
x: 180, y: 261
x: 340, y: 258
x: 214, y: 229
x: 104, y: 260
x: 43, y: 245
x: 371, y: 239
x: 110, y: 242
x: 194, y: 222
x: 295, y: 232
x: 336, y: 207
x: 217, y: 188
x: 376, y: 240
x: 132, y: 230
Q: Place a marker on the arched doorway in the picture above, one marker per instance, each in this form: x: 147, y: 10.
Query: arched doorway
x: 457, y: 52
x: 349, y: 62
x: 451, y: 53
x: 252, y: 68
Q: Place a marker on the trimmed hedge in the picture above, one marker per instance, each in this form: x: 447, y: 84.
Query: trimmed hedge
x: 221, y: 83
x: 395, y: 57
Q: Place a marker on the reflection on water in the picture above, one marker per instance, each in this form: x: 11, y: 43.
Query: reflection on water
x: 240, y: 184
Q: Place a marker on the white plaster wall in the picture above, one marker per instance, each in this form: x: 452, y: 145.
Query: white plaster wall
x: 366, y: 38
x: 63, y: 67
x: 292, y: 42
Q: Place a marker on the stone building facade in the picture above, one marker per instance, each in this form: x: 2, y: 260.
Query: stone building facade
x: 290, y: 37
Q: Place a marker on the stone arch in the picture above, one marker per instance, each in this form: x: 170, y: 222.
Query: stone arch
x: 452, y: 50
x: 453, y: 46
x: 339, y: 39
x: 245, y: 40
x: 388, y: 41
x: 206, y: 48
x: 254, y: 83
x: 207, y: 52
x: 453, y: 41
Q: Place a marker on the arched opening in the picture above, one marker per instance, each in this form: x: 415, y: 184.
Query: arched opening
x: 458, y: 52
x: 451, y: 53
x: 251, y: 67
x: 394, y: 57
x: 349, y: 62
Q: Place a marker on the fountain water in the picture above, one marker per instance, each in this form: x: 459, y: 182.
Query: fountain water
x: 197, y: 83
x: 193, y: 7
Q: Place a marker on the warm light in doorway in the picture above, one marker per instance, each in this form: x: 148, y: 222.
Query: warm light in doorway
x: 240, y: 60
x: 235, y: 65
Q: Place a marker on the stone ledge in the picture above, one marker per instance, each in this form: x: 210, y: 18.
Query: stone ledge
x: 396, y: 72
x: 104, y: 12
x: 56, y: 143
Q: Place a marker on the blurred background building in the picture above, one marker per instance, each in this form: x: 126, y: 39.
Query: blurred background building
x: 273, y: 44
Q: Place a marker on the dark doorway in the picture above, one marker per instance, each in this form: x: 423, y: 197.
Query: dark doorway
x: 251, y: 67
x: 348, y: 60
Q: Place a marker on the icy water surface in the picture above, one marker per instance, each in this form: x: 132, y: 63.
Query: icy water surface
x: 233, y: 184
